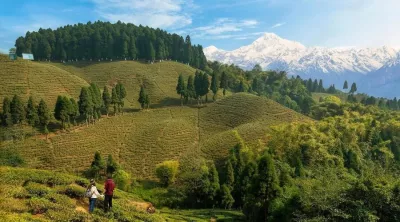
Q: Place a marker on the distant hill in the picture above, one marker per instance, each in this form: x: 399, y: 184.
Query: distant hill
x: 26, y: 78
x: 140, y: 140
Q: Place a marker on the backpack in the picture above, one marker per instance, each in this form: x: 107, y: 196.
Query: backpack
x: 88, y: 192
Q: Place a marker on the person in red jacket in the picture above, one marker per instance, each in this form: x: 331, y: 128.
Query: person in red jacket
x: 109, y: 186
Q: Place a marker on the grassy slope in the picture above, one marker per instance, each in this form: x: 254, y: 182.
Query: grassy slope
x: 140, y: 140
x: 26, y: 78
x: 159, y: 78
x: 38, y: 195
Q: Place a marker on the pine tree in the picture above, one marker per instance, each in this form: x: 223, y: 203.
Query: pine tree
x: 214, y: 85
x: 6, y: 114
x: 85, y: 104
x: 62, y: 110
x: 345, y: 85
x: 152, y: 52
x: 106, y: 100
x: 147, y: 101
x: 142, y: 97
x: 315, y: 86
x: 17, y: 110
x: 214, y: 182
x: 353, y: 88
x: 74, y: 110
x: 97, y: 165
x: 31, y: 112
x: 97, y: 101
x: 180, y: 87
x: 230, y: 177
x: 187, y: 50
x: 44, y: 115
x: 190, y: 90
x: 198, y: 81
x: 320, y: 86
x: 114, y: 100
x: 309, y: 84
x: 112, y: 166
x: 223, y: 82
x: 205, y: 85
x: 266, y: 185
x: 121, y: 92
x: 132, y: 48
x: 226, y: 197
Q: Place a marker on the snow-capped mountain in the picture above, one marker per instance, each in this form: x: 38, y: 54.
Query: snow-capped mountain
x: 333, y: 65
x: 385, y: 81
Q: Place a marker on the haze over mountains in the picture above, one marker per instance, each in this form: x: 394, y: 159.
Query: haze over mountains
x: 376, y: 70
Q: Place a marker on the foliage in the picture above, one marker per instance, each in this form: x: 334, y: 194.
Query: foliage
x: 122, y: 179
x: 167, y: 171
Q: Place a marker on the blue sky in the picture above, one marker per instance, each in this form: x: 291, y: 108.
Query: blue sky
x: 227, y: 24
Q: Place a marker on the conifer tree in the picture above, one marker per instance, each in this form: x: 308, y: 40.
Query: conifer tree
x: 230, y: 177
x: 223, y: 82
x: 205, y: 85
x: 97, y: 165
x: 106, y: 100
x: 214, y: 182
x: 214, y: 85
x: 62, y: 110
x: 226, y: 197
x: 320, y: 86
x: 121, y: 93
x: 74, y: 110
x: 198, y: 81
x: 180, y: 87
x: 96, y: 99
x: 44, y: 116
x: 85, y: 104
x: 190, y: 90
x: 114, y: 100
x: 345, y: 85
x: 17, y: 110
x: 152, y: 52
x: 6, y: 114
x: 112, y: 166
x: 142, y: 97
x: 353, y: 88
x: 266, y: 186
x: 31, y: 112
x: 309, y: 84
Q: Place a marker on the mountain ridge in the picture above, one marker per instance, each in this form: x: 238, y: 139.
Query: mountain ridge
x: 333, y: 65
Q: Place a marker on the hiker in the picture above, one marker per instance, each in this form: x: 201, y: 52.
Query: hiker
x: 109, y: 186
x: 92, y: 194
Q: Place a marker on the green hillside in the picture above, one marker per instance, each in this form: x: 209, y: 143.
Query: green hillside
x: 159, y: 78
x: 140, y: 140
x: 26, y: 78
x: 39, y: 195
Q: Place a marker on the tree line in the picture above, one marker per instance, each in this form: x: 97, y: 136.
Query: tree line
x: 89, y: 108
x: 104, y: 40
x: 196, y: 87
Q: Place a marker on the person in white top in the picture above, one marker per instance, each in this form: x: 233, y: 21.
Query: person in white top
x: 95, y: 194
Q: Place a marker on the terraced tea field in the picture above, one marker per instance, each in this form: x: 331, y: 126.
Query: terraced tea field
x: 26, y: 78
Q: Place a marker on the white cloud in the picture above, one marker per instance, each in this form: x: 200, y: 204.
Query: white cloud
x: 242, y: 36
x: 153, y: 13
x: 222, y: 28
x: 278, y: 25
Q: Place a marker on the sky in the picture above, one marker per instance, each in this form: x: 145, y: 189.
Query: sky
x: 226, y: 24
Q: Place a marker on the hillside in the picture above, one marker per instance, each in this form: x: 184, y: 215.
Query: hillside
x: 159, y: 78
x: 39, y: 80
x: 140, y: 140
x: 39, y: 195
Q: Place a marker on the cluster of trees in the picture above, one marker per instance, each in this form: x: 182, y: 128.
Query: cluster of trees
x: 90, y: 105
x: 103, y: 40
x: 144, y: 98
x: 342, y: 168
x: 196, y: 87
x: 15, y: 112
x: 353, y: 88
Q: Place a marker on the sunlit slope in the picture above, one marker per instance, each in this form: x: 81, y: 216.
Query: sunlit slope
x: 159, y: 78
x: 41, y: 80
x: 140, y: 140
x: 242, y: 116
x: 137, y: 140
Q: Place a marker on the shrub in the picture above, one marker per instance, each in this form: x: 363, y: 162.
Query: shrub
x: 10, y: 158
x: 73, y: 191
x: 122, y: 180
x: 167, y: 171
x: 39, y: 205
x: 60, y: 199
x: 37, y: 189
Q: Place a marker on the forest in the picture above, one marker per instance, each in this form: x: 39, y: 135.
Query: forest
x: 100, y: 41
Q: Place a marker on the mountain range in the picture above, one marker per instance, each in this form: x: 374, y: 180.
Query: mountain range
x: 375, y: 70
